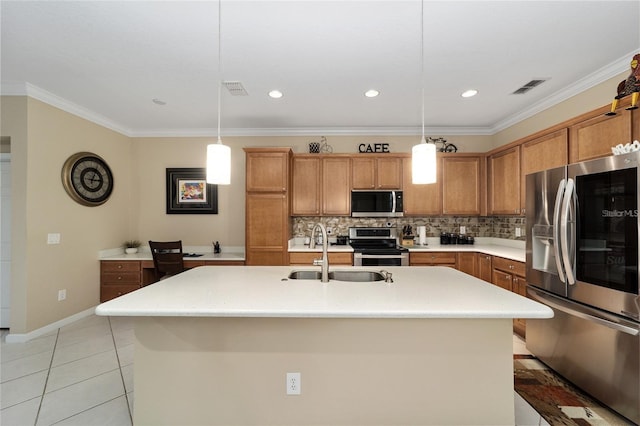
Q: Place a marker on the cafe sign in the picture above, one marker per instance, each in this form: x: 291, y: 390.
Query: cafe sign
x: 366, y: 148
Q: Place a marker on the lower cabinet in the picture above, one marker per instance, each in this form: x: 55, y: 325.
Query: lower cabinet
x: 307, y: 258
x: 118, y: 278
x: 467, y: 262
x: 441, y: 258
x: 510, y: 275
x: 484, y: 269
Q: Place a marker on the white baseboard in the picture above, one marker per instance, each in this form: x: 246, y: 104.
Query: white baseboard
x: 25, y: 337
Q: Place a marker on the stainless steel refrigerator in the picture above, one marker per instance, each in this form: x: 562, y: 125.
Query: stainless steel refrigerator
x: 582, y: 261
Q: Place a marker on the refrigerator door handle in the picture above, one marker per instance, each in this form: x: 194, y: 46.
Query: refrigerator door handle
x: 579, y: 311
x: 564, y: 231
x: 556, y: 230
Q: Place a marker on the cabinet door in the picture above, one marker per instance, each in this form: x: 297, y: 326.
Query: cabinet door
x: 467, y: 262
x: 502, y: 279
x: 461, y: 185
x: 336, y: 186
x: 485, y: 270
x: 421, y: 199
x: 363, y: 173
x: 594, y: 137
x: 266, y: 229
x: 267, y: 171
x: 305, y: 194
x: 520, y: 287
x: 542, y: 153
x: 389, y: 173
x: 445, y: 258
x: 504, y: 182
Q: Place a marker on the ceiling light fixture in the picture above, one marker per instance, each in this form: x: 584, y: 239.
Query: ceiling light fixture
x: 371, y: 93
x: 423, y: 155
x: 219, y: 155
x: 469, y: 93
x: 275, y: 94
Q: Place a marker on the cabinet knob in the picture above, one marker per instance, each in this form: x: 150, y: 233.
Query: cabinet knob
x: 119, y: 278
x: 506, y: 277
x: 119, y: 266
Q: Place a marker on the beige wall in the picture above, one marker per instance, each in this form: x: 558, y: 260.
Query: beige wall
x: 41, y: 206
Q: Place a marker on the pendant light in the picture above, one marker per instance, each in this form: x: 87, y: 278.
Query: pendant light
x: 423, y: 155
x: 219, y: 155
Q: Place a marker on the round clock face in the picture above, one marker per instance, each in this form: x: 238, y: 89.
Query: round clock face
x: 87, y: 179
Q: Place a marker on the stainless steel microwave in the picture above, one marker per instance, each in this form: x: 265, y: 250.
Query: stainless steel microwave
x: 376, y: 204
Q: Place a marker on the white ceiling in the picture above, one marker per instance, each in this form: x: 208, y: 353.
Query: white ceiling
x: 107, y: 61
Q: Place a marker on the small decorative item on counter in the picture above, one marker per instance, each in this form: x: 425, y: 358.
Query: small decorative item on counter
x: 216, y: 247
x: 131, y: 246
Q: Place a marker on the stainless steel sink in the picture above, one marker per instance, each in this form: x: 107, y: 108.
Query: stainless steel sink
x: 351, y: 276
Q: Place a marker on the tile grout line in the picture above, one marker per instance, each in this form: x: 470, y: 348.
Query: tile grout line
x: 44, y: 388
x: 124, y: 386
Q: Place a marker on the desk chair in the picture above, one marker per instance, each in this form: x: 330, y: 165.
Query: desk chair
x: 167, y: 258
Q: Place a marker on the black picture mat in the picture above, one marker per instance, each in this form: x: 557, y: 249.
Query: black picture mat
x: 174, y: 206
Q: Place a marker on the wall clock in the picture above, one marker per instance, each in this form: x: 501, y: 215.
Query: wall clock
x: 87, y: 179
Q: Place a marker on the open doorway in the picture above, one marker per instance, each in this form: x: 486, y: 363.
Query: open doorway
x: 5, y: 231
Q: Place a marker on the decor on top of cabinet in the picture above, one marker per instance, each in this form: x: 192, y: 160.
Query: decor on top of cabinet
x: 630, y: 86
x: 189, y: 193
x: 131, y: 246
x: 320, y: 147
x: 626, y: 148
x: 444, y: 145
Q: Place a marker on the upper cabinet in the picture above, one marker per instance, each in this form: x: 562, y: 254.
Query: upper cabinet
x: 336, y: 186
x: 594, y: 136
x: 321, y: 185
x: 305, y: 186
x: 421, y: 199
x: 380, y: 172
x: 267, y: 169
x: 504, y: 181
x: 462, y: 188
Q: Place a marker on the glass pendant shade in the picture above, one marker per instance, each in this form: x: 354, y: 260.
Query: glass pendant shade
x: 218, y: 163
x: 423, y: 163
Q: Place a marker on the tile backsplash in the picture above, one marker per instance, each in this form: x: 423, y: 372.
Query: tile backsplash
x: 490, y: 226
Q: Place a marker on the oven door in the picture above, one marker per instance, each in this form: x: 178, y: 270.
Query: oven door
x: 605, y: 216
x: 363, y: 259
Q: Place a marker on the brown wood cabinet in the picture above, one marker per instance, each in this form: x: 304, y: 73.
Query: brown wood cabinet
x: 306, y: 258
x: 594, y: 136
x: 467, y: 262
x: 510, y: 275
x: 118, y: 278
x: 336, y: 186
x: 267, y: 220
x: 504, y: 181
x: 306, y: 186
x: 435, y: 258
x: 485, y: 271
x: 541, y: 153
x: 376, y: 172
x: 461, y: 185
x: 421, y: 199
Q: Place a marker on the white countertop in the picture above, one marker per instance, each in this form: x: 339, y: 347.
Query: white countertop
x: 509, y: 249
x: 264, y: 291
x: 227, y: 254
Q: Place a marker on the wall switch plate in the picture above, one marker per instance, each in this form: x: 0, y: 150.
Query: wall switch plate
x: 62, y: 294
x: 293, y: 383
x: 463, y: 230
x: 518, y: 232
x: 53, y: 238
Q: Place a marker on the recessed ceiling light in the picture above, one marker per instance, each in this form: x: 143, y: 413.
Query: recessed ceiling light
x: 158, y: 101
x: 275, y: 94
x: 469, y: 93
x: 372, y: 93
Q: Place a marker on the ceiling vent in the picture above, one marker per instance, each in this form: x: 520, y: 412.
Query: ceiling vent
x: 235, y: 88
x: 530, y: 85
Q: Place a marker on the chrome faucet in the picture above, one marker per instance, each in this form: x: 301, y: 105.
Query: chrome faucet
x: 324, y: 262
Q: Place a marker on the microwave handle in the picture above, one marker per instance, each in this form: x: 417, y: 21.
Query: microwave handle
x: 393, y: 202
x: 564, y: 231
x: 556, y: 230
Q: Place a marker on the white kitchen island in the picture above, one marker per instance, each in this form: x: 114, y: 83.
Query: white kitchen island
x: 214, y: 345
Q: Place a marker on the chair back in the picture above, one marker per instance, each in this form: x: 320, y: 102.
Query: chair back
x: 167, y: 257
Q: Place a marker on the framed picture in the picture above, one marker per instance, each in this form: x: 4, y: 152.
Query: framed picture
x: 189, y: 193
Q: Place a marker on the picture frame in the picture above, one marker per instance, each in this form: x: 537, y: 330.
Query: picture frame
x: 189, y: 193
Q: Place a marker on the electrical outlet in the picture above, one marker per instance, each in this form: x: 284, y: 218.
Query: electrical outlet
x: 518, y: 232
x: 53, y: 238
x: 329, y: 231
x: 463, y: 230
x: 62, y: 294
x: 293, y: 384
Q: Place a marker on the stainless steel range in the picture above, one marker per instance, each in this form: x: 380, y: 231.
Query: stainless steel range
x: 377, y: 247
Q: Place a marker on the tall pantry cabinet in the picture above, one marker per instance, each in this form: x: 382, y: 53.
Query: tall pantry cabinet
x: 267, y: 221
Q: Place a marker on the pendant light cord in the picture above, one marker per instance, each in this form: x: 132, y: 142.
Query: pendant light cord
x: 219, y: 66
x: 422, y: 61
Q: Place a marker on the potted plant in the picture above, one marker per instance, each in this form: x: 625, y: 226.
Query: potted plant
x: 131, y: 246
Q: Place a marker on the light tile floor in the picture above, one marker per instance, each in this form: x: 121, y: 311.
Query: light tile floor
x: 82, y: 374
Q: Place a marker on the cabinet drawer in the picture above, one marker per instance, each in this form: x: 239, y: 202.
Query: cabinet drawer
x: 433, y: 258
x: 115, y: 265
x: 224, y: 262
x: 109, y: 278
x: 511, y: 266
x: 113, y: 291
x: 306, y: 258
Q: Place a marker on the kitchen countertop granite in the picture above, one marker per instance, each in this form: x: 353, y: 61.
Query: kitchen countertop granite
x: 265, y: 291
x: 509, y: 249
